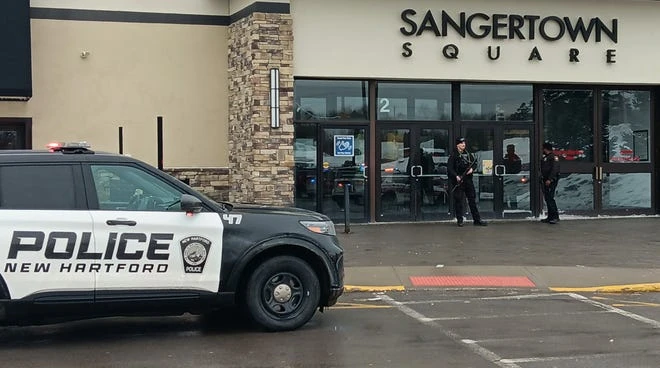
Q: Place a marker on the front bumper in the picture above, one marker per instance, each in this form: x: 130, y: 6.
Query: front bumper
x: 334, y: 295
x: 337, y: 289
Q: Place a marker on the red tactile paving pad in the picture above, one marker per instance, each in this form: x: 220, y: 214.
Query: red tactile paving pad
x: 471, y: 281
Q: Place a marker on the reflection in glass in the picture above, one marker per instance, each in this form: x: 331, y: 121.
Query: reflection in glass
x: 641, y: 144
x: 625, y: 126
x: 481, y: 143
x: 497, y: 102
x: 575, y: 192
x: 330, y: 100
x: 627, y: 191
x: 567, y: 118
x: 304, y: 153
x: 414, y: 101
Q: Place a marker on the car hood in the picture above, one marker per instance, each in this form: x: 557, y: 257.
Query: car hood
x: 291, y: 211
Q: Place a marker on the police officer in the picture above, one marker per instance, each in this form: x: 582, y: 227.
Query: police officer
x: 460, y: 168
x: 549, y: 179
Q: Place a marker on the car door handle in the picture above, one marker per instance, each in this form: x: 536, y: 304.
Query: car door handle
x: 121, y: 222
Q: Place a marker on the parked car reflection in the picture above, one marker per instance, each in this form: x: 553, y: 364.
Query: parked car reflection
x: 352, y: 177
x: 396, y: 182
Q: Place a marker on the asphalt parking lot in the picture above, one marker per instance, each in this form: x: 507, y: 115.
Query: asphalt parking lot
x: 420, y: 328
x: 509, y: 329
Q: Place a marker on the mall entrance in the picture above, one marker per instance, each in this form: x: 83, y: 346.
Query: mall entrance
x: 412, y: 183
x: 402, y: 132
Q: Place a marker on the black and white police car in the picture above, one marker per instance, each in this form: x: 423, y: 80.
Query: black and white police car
x: 86, y: 235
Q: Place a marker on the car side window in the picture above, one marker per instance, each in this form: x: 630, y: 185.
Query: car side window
x: 121, y: 187
x: 37, y: 187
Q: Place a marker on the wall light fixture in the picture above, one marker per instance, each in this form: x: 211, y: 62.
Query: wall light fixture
x: 274, y: 98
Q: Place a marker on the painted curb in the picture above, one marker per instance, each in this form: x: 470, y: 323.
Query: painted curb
x: 358, y: 288
x: 632, y: 288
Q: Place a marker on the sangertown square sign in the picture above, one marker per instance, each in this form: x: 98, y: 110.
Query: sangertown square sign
x: 507, y: 27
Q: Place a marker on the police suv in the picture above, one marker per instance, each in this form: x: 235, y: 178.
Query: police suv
x: 86, y: 234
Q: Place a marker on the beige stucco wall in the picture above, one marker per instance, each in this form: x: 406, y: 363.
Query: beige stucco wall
x: 134, y: 73
x: 347, y: 38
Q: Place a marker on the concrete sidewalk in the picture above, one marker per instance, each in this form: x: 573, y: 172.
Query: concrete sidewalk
x: 590, y: 255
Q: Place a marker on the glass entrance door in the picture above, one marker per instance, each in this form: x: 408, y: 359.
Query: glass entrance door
x: 331, y: 162
x: 624, y: 165
x: 602, y: 139
x: 503, y: 176
x: 412, y: 183
x: 343, y: 172
x: 513, y: 172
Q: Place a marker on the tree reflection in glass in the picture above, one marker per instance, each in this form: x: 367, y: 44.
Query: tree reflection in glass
x: 567, y: 117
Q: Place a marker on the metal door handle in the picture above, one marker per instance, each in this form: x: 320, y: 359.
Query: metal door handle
x: 415, y: 173
x: 121, y: 222
x: 598, y: 173
x: 500, y: 170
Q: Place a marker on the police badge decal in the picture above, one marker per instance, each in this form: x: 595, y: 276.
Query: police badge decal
x: 194, y: 250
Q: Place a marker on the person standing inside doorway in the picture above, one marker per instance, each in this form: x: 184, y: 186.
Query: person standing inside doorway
x: 460, y: 169
x: 549, y: 179
x: 512, y: 162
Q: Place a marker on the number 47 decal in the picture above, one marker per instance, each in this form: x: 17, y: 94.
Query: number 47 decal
x: 232, y: 219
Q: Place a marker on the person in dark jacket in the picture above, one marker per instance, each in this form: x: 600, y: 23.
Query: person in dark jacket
x: 549, y: 179
x: 460, y: 168
x: 512, y: 162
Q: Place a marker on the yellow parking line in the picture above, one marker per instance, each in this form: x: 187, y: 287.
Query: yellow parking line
x: 632, y: 288
x: 625, y: 303
x: 357, y: 288
x: 636, y: 304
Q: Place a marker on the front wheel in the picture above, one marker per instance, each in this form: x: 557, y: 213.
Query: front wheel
x: 282, y: 293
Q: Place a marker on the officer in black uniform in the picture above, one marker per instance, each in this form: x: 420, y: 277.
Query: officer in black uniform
x: 549, y: 179
x: 460, y: 167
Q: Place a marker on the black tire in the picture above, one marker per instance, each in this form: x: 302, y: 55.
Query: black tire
x: 282, y: 294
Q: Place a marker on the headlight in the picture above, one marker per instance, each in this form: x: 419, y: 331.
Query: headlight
x: 320, y: 227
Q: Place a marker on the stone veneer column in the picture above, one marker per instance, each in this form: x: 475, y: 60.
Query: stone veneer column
x: 260, y: 158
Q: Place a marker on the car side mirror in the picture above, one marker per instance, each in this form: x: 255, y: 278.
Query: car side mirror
x: 190, y: 204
